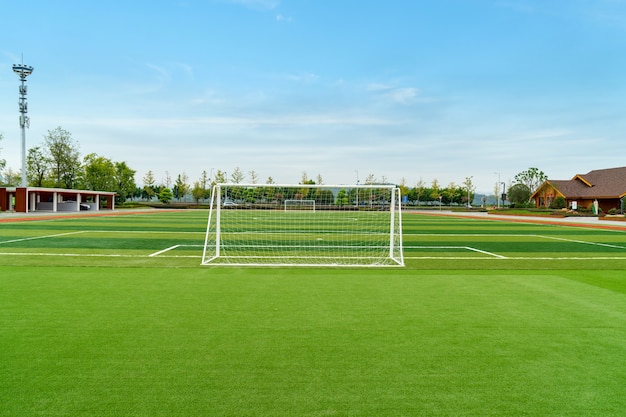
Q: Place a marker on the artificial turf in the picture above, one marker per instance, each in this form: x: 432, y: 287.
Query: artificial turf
x: 448, y: 335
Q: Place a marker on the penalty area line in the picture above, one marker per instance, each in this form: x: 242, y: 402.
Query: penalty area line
x: 171, y: 248
x: 152, y: 255
x: 485, y: 252
x: 469, y: 248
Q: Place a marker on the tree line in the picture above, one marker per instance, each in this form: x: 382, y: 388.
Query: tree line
x: 57, y: 163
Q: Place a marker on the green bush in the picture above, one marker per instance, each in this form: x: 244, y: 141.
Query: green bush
x: 558, y: 203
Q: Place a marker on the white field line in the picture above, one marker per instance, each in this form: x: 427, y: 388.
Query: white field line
x: 119, y: 255
x: 469, y: 248
x: 606, y: 245
x: 152, y: 232
x: 43, y: 237
x: 584, y: 242
x: 80, y: 255
x: 525, y: 258
x: 152, y: 255
x: 511, y: 257
x: 485, y: 252
x: 489, y: 254
x: 91, y: 255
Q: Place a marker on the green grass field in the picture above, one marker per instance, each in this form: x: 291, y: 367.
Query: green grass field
x: 488, y: 318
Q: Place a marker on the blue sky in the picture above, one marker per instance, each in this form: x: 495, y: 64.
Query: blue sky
x: 404, y: 89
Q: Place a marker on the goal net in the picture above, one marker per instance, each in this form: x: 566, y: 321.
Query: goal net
x: 306, y: 225
x: 300, y: 205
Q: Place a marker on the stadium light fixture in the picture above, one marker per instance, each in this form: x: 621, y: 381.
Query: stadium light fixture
x: 23, y: 71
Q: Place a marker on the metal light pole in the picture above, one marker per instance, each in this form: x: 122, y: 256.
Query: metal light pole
x: 23, y: 71
x: 469, y: 185
x: 357, y: 188
x: 498, y: 190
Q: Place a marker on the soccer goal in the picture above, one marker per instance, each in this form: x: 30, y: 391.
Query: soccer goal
x: 304, y: 225
x: 291, y: 205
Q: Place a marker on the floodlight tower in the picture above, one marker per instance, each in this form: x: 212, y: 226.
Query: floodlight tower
x: 23, y: 71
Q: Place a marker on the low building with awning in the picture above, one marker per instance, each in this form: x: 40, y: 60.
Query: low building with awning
x: 33, y: 199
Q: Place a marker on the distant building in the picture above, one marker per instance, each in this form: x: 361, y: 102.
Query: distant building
x: 32, y: 199
x: 606, y: 186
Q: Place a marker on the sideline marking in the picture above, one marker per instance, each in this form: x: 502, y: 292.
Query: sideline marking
x: 43, y: 237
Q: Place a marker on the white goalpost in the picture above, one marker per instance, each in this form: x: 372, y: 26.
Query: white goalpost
x: 300, y: 205
x: 304, y: 225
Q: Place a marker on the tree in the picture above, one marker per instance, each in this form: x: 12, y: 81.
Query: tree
x: 181, y: 187
x: 419, y: 190
x: 532, y: 178
x: 12, y: 178
x: 254, y: 177
x: 237, y: 176
x: 435, y: 192
x: 404, y: 189
x: 165, y: 195
x: 342, y: 198
x: 124, y: 181
x: 149, y: 185
x: 220, y: 177
x: 198, y: 191
x: 64, y: 158
x: 519, y: 194
x: 98, y: 173
x: 204, y: 186
x: 469, y: 187
x: 36, y: 167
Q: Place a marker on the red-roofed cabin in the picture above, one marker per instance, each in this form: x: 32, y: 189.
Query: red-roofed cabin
x: 607, y: 186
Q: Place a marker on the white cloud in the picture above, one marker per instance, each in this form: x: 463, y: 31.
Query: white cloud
x: 257, y: 4
x: 517, y: 6
x: 378, y: 87
x: 306, y: 77
x: 403, y: 95
x: 282, y: 18
x: 398, y: 95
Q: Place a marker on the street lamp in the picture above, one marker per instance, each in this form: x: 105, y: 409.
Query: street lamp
x: 498, y: 190
x: 23, y: 71
x: 469, y: 188
x: 357, y: 189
